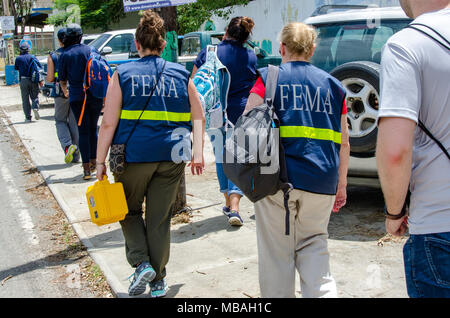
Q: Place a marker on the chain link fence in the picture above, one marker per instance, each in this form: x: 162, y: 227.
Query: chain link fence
x: 41, y: 44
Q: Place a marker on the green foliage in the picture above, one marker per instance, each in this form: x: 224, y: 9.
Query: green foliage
x: 58, y: 19
x: 100, y: 14
x: 63, y: 4
x: 192, y: 16
x: 64, y: 13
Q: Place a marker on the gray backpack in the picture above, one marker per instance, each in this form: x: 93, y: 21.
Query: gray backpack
x: 254, y: 157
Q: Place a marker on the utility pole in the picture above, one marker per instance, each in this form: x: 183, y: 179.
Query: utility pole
x: 169, y: 15
x: 10, y: 43
x: 6, y: 7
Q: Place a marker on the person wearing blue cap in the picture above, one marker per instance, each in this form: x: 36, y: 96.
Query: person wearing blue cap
x: 66, y: 125
x: 28, y: 89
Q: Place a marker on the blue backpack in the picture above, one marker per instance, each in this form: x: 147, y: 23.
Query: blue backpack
x: 212, y: 81
x: 36, y: 70
x: 97, y: 75
x: 96, y: 78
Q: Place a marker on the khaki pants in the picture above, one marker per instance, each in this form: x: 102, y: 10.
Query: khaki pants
x: 149, y: 239
x: 305, y: 249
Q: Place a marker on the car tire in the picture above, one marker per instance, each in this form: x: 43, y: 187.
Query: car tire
x: 361, y: 80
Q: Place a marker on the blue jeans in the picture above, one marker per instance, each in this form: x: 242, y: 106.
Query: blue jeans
x: 226, y: 186
x: 427, y: 265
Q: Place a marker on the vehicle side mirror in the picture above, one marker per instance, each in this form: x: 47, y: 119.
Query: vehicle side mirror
x: 106, y: 50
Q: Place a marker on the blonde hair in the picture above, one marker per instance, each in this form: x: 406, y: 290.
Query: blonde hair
x: 299, y: 38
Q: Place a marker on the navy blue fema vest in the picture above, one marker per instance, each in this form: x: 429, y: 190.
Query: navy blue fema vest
x: 166, y: 122
x: 308, y: 102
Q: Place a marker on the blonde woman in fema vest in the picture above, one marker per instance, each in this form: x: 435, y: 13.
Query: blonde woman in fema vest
x: 314, y: 135
x: 150, y: 107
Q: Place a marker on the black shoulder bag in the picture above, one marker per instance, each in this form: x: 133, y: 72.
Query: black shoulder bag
x: 117, y: 151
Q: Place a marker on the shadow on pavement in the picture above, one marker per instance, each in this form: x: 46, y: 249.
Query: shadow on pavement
x: 57, y: 166
x: 50, y: 118
x: 362, y: 218
x: 111, y: 239
x: 72, y: 180
x: 57, y: 259
x: 194, y: 230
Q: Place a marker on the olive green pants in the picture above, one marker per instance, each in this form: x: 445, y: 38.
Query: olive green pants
x: 149, y: 239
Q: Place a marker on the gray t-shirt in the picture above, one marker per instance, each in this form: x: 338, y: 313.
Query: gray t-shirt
x: 415, y: 83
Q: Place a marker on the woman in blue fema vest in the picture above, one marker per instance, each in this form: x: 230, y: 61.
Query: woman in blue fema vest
x: 241, y: 63
x: 155, y: 154
x: 313, y: 129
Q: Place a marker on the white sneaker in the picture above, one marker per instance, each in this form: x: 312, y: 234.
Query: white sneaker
x: 36, y: 114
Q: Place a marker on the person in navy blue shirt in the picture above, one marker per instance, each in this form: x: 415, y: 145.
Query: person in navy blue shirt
x: 71, y: 67
x: 28, y: 89
x: 242, y: 65
x: 66, y: 125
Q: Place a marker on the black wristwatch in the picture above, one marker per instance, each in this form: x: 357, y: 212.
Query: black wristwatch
x: 397, y: 216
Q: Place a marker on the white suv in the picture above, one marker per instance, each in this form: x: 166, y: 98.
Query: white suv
x: 349, y: 47
x: 114, y: 45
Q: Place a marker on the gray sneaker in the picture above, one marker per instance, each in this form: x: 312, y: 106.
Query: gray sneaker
x: 143, y: 275
x: 36, y: 114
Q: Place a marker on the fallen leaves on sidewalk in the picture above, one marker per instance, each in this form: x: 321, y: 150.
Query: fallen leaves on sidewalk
x: 390, y: 238
x: 183, y: 217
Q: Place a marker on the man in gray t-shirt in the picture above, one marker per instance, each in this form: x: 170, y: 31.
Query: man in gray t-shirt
x: 415, y: 74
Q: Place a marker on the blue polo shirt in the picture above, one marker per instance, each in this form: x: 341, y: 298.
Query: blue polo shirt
x: 242, y: 65
x: 71, y: 68
x: 22, y: 64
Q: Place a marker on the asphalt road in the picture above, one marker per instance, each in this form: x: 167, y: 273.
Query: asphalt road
x: 30, y: 263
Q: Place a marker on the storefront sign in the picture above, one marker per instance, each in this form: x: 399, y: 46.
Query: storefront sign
x: 7, y: 23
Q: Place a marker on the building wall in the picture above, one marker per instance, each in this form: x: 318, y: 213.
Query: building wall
x: 271, y: 15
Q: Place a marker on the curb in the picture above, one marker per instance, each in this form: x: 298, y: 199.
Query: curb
x: 112, y: 280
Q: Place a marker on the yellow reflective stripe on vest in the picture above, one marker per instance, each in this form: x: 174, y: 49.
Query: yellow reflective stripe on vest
x: 310, y: 132
x: 154, y: 115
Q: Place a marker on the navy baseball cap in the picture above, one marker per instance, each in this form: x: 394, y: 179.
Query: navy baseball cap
x: 74, y: 30
x: 61, y: 34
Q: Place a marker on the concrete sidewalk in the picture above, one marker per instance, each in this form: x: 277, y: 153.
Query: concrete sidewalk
x: 209, y: 258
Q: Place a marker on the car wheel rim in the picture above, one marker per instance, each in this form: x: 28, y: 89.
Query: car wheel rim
x: 362, y: 106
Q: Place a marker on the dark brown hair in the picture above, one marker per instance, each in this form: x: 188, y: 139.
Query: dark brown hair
x: 150, y: 32
x: 240, y: 28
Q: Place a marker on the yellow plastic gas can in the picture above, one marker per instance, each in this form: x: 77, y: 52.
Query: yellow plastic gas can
x: 107, y: 202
